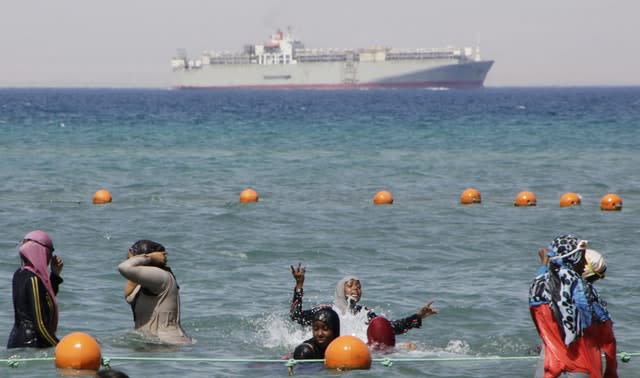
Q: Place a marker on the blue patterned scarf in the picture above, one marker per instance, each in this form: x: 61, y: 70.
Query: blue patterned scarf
x: 562, y: 287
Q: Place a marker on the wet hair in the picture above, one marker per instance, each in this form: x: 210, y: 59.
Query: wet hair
x: 145, y: 246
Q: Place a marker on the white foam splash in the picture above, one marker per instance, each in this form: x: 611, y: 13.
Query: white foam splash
x: 275, y: 331
x: 457, y: 347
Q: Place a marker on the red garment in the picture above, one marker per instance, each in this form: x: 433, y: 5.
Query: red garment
x: 380, y: 334
x: 603, y: 337
x: 582, y: 355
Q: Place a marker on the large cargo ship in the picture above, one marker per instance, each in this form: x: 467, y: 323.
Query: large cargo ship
x: 284, y: 62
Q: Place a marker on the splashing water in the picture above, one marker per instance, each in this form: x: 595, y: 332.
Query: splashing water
x: 457, y: 347
x: 277, y: 331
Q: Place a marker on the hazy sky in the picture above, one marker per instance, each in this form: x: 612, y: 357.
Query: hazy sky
x: 129, y: 43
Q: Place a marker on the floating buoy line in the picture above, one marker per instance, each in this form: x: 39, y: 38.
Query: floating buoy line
x: 291, y: 363
x: 470, y: 196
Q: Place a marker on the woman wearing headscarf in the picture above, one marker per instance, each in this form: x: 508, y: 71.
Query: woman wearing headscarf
x: 153, y: 293
x: 34, y: 293
x: 561, y: 311
x: 354, y: 318
x: 325, y: 327
x: 601, y: 330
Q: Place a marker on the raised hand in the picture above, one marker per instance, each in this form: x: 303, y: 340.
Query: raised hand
x: 158, y: 258
x: 427, y: 310
x: 298, y: 275
x: 56, y: 265
x: 542, y: 254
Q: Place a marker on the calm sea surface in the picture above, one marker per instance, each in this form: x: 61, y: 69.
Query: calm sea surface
x: 176, y: 161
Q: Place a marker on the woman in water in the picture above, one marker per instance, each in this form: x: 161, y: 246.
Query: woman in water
x: 562, y: 311
x: 153, y: 293
x: 601, y: 329
x: 354, y: 318
x: 34, y: 293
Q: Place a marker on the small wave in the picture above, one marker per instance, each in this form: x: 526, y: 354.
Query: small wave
x: 241, y: 255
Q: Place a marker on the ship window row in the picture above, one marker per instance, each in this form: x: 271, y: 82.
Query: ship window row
x: 419, y: 55
x: 237, y: 60
x: 321, y: 58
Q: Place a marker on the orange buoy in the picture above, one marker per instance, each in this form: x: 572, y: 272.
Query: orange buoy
x: 383, y: 197
x: 525, y: 199
x: 570, y: 199
x: 611, y: 202
x: 469, y: 196
x: 248, y: 195
x: 78, y: 350
x: 101, y: 197
x: 347, y: 353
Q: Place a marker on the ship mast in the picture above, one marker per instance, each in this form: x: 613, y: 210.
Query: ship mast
x: 477, y: 58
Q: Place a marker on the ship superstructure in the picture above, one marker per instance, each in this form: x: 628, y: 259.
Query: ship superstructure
x: 284, y: 62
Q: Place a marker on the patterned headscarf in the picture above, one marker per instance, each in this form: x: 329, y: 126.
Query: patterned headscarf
x: 567, y: 249
x: 562, y: 287
x: 339, y: 299
x: 36, y: 252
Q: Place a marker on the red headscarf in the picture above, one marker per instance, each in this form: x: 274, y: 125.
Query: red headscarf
x: 36, y: 252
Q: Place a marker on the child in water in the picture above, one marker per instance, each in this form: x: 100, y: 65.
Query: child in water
x: 326, y: 327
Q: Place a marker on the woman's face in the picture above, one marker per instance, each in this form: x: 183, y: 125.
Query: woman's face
x: 322, y: 333
x: 353, y: 289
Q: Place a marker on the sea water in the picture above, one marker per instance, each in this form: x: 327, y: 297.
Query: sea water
x: 176, y: 161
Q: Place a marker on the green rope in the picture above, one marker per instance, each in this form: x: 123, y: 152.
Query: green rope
x: 106, y: 361
x: 15, y: 362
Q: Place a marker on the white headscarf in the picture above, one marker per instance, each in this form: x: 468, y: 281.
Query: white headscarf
x: 339, y: 300
x: 596, y: 264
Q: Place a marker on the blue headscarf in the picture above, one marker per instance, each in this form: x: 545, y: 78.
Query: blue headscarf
x: 562, y: 287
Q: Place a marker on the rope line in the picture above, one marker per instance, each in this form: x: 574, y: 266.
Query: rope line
x: 290, y: 363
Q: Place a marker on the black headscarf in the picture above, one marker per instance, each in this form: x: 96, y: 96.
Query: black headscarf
x: 310, y: 349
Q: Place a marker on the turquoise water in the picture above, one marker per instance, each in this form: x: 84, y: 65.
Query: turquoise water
x: 175, y: 163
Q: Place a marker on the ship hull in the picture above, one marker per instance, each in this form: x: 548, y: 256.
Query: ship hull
x: 336, y: 75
